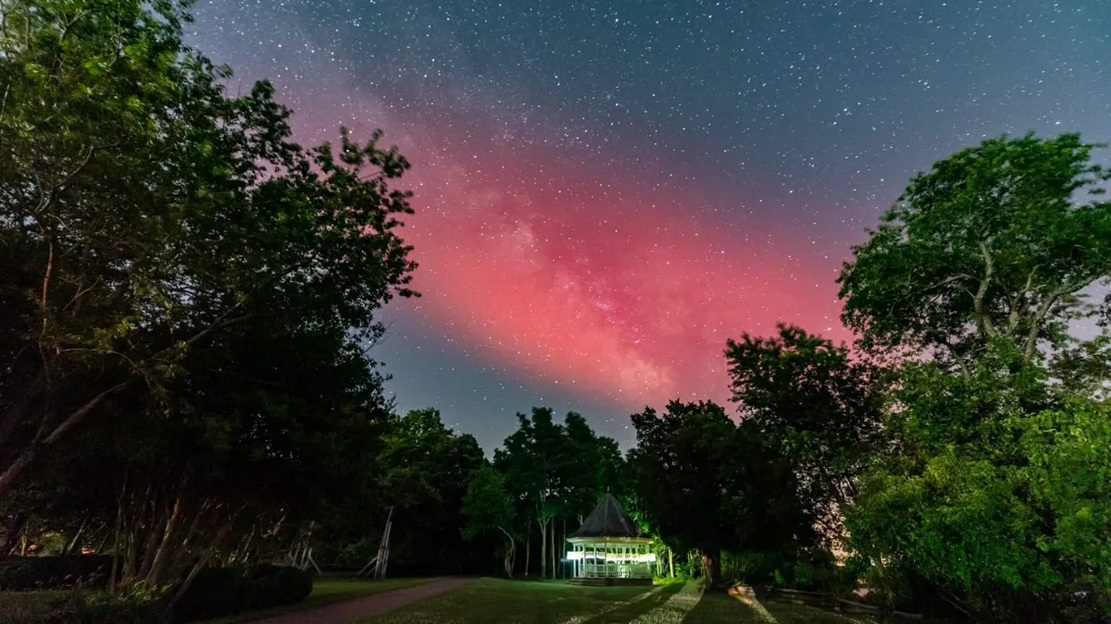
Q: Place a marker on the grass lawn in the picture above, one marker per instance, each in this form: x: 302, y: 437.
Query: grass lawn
x: 496, y: 601
x: 327, y: 590
x: 491, y: 601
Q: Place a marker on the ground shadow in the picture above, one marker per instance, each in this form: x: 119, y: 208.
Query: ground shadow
x: 633, y: 610
x: 718, y: 606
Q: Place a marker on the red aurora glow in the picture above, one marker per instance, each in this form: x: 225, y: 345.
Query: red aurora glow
x: 595, y: 280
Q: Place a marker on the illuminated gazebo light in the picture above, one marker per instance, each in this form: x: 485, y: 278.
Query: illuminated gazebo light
x: 609, y: 548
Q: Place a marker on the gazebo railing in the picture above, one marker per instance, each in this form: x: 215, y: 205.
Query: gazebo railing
x: 612, y: 569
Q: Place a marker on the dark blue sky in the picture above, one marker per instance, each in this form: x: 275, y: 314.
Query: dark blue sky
x: 607, y: 190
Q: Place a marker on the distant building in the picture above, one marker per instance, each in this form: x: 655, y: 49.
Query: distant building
x: 610, y: 549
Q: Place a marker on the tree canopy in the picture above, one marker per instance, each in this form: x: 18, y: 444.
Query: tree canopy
x: 996, y: 241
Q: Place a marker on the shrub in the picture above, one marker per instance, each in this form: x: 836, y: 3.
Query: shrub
x: 218, y: 592
x: 297, y: 584
x: 213, y: 593
x: 263, y: 570
x: 35, y: 573
x: 277, y: 586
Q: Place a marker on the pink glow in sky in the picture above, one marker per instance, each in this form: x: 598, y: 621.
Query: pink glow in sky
x: 630, y: 292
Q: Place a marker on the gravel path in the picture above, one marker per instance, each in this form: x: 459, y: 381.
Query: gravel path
x: 347, y: 611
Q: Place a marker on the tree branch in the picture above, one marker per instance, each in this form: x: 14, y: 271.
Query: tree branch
x: 80, y: 413
x: 983, y: 319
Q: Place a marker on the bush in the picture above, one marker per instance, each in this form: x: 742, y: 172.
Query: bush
x: 35, y: 573
x: 219, y: 592
x: 274, y: 587
x: 213, y: 593
x: 297, y: 584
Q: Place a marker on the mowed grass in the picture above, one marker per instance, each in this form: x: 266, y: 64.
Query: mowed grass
x: 494, y: 601
x: 327, y: 590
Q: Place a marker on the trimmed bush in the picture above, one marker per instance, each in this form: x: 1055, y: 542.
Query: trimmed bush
x: 219, y: 592
x: 264, y: 569
x: 35, y: 573
x: 213, y: 593
x: 274, y: 586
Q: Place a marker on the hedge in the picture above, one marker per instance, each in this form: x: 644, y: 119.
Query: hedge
x: 218, y: 592
x: 36, y: 573
x: 215, y: 592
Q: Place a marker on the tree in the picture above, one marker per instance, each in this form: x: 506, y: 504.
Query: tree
x: 143, y: 213
x: 997, y: 241
x: 977, y: 494
x: 994, y: 492
x: 534, y: 462
x: 821, y: 408
x: 489, y: 507
x: 270, y: 427
x: 556, y: 471
x: 704, y: 483
x: 425, y: 470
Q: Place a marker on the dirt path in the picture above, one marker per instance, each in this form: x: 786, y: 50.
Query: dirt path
x: 347, y: 611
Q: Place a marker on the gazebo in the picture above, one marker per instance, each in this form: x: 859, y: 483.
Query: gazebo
x: 610, y: 549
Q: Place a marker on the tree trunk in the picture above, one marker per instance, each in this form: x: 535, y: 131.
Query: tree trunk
x: 68, y: 550
x: 528, y: 546
x: 671, y: 562
x: 158, y: 561
x: 16, y: 467
x: 543, y: 548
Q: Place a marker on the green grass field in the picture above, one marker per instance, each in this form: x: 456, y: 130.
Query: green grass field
x: 495, y: 601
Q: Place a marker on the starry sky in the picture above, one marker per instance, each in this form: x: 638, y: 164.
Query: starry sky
x: 606, y: 190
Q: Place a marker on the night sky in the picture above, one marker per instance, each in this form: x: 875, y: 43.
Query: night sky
x: 606, y: 191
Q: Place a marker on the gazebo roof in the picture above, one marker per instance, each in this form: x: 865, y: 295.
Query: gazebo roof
x: 608, y: 520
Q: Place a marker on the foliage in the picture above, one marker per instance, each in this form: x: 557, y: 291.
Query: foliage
x: 996, y: 241
x: 556, y: 471
x: 996, y: 493
x: 37, y: 573
x: 214, y: 592
x: 145, y: 213
x: 489, y: 507
x: 821, y: 408
x: 424, y: 470
x: 706, y: 483
x: 218, y: 592
x: 284, y: 585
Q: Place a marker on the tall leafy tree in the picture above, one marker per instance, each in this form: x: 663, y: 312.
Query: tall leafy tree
x: 489, y: 507
x: 977, y: 488
x: 993, y: 491
x: 534, y: 460
x: 818, y: 404
x: 997, y: 241
x: 557, y: 472
x: 144, y: 212
x: 425, y: 470
x: 704, y: 483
